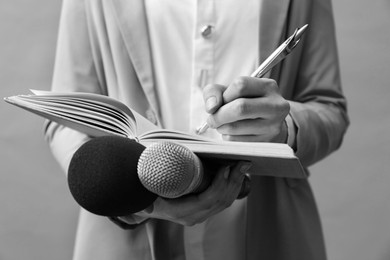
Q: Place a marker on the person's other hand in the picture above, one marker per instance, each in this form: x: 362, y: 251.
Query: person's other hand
x: 249, y: 109
x: 195, y: 208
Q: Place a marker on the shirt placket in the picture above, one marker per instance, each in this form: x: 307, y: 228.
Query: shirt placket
x: 203, y: 59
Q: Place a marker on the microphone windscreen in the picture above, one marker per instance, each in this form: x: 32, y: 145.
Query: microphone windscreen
x: 171, y: 170
x: 103, y: 179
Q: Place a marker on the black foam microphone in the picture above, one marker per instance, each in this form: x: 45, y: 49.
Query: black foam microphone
x: 172, y: 170
x: 102, y: 177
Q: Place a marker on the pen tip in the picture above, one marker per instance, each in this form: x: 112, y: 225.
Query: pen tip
x: 301, y: 31
x: 202, y: 129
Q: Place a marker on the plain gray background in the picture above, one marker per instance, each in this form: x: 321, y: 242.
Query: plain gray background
x: 38, y: 217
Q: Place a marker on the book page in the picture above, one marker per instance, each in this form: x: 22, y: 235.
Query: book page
x: 108, y: 109
x: 137, y: 123
x: 143, y: 125
x: 65, y: 119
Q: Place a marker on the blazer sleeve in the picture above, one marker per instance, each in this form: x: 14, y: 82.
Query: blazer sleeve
x: 318, y: 106
x: 74, y: 71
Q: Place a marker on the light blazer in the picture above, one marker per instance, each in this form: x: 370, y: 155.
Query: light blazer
x: 103, y: 47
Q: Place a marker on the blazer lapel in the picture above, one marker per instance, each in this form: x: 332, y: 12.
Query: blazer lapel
x: 132, y: 21
x: 272, y: 25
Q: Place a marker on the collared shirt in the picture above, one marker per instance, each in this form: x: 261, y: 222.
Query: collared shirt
x: 195, y: 43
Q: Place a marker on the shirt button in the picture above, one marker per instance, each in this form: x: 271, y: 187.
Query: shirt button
x: 206, y: 31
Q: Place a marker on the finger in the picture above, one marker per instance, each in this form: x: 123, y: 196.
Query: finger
x: 239, y: 109
x: 249, y: 87
x: 186, y: 210
x: 226, y: 186
x: 192, y: 209
x: 236, y: 178
x: 214, y: 198
x: 250, y: 127
x: 234, y: 187
x: 255, y: 131
x: 212, y: 96
x: 218, y: 184
x: 273, y: 107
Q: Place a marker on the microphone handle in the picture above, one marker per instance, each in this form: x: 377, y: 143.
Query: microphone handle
x: 201, y: 181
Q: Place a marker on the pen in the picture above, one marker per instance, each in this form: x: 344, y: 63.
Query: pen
x: 277, y: 56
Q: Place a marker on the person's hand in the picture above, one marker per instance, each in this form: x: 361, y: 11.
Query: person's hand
x: 196, y: 208
x: 249, y: 109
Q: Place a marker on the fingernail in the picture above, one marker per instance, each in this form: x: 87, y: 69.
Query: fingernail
x: 211, y: 102
x: 245, y: 167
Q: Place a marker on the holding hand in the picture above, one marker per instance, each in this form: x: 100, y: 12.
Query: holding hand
x: 196, y: 208
x: 249, y: 109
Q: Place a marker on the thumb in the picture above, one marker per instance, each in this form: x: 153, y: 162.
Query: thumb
x: 213, y: 97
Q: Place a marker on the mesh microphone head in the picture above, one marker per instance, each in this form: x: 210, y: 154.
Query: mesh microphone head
x: 169, y: 170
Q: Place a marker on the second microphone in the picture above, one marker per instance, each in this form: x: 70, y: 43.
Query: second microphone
x: 172, y: 170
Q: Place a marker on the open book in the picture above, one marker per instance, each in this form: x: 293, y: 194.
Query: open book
x: 98, y: 115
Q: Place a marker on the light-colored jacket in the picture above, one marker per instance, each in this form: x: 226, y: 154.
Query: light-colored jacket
x: 103, y: 47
